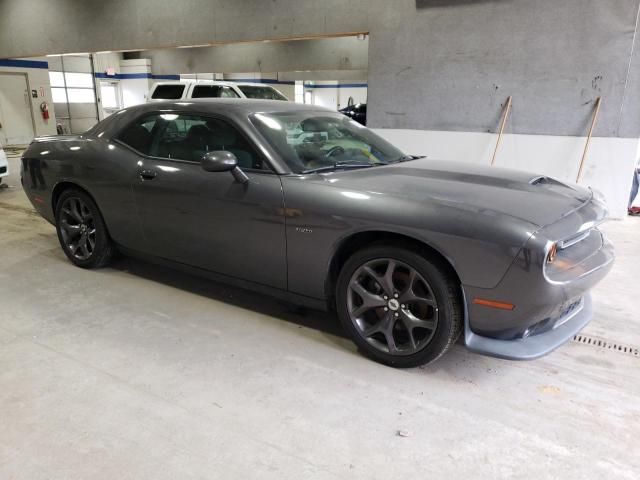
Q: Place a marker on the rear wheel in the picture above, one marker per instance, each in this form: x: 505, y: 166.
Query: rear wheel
x: 400, y: 308
x: 81, y: 230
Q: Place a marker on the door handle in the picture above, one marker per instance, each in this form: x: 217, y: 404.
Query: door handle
x: 147, y: 174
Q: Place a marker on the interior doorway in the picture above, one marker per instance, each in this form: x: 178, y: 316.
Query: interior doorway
x: 110, y: 97
x: 16, y: 116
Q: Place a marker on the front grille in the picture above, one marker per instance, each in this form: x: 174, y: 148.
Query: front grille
x: 568, y: 242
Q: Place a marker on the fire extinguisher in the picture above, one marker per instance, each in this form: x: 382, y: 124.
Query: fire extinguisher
x: 44, y: 108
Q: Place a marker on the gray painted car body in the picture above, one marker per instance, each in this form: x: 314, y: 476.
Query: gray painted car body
x: 281, y: 233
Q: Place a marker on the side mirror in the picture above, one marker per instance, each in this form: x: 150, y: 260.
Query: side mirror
x: 223, y: 161
x: 218, y: 161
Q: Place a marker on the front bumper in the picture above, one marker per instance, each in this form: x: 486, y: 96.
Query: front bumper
x: 535, y: 346
x: 550, y: 303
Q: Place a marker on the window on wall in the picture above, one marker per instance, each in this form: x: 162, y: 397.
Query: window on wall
x: 56, y: 79
x: 80, y: 80
x: 299, y: 91
x: 72, y: 87
x: 110, y: 94
x: 59, y: 95
x: 73, y: 92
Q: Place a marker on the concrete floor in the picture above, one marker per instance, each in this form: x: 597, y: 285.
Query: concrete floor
x: 138, y: 371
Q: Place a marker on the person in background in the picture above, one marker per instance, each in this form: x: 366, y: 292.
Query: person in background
x: 634, y: 191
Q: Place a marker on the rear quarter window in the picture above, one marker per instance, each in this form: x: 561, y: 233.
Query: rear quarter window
x: 260, y: 92
x: 168, y: 92
x: 213, y: 91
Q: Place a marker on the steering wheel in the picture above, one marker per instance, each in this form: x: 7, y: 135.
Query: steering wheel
x: 333, y: 151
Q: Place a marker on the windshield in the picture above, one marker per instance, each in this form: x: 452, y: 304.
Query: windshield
x: 323, y: 141
x: 264, y: 93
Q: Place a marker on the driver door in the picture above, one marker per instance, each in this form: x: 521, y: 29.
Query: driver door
x: 205, y: 219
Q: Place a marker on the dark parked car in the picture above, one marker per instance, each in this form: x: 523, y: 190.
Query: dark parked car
x: 310, y: 206
x: 357, y: 112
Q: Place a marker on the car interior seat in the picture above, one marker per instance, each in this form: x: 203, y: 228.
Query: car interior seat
x: 137, y: 137
x: 223, y: 137
x: 197, y: 142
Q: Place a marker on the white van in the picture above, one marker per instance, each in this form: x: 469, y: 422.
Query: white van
x: 185, y: 89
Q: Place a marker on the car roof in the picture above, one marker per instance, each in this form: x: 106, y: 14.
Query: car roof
x: 228, y: 83
x: 253, y: 84
x: 231, y: 105
x: 189, y: 81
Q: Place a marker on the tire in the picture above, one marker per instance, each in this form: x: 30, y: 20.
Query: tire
x: 81, y: 230
x: 405, y: 316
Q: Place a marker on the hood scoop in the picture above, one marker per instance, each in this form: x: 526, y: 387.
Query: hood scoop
x: 541, y: 180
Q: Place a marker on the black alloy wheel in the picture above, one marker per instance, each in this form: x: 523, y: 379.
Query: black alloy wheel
x: 400, y: 308
x: 78, y: 228
x: 392, y: 306
x: 81, y: 230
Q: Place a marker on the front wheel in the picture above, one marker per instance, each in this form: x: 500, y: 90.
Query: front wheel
x: 399, y: 307
x: 81, y: 230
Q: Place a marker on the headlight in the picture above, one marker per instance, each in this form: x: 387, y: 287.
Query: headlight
x: 552, y: 253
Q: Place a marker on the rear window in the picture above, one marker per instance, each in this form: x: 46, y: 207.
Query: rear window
x: 213, y: 91
x: 168, y: 92
x: 265, y: 93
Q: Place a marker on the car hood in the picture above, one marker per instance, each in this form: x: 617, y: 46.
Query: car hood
x: 536, y: 199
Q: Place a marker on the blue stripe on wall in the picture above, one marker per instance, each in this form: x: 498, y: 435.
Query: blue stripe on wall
x: 166, y: 77
x: 13, y: 62
x: 338, y: 85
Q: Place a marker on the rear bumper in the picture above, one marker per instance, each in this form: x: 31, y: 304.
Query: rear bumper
x: 534, y: 346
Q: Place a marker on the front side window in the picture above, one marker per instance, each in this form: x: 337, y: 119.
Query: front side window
x: 261, y: 92
x: 168, y: 92
x: 213, y: 91
x: 188, y: 137
x: 139, y: 134
x: 317, y: 140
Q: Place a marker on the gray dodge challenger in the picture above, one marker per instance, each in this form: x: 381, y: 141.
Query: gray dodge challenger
x: 305, y: 204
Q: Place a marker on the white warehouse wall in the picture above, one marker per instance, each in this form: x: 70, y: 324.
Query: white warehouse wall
x: 37, y: 79
x: 608, y: 167
x: 136, y: 81
x: 134, y: 76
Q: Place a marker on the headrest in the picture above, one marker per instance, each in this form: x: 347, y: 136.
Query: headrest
x: 198, y: 131
x: 223, y: 137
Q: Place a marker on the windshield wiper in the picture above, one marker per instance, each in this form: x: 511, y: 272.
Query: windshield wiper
x: 337, y: 165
